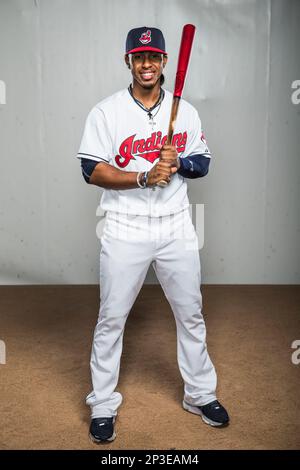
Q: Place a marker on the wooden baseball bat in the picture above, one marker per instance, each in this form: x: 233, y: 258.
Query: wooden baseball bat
x: 187, y: 38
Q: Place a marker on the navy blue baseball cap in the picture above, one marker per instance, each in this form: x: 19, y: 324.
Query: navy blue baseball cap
x: 145, y: 39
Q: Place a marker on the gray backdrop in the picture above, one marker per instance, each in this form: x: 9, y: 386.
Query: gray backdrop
x: 60, y: 57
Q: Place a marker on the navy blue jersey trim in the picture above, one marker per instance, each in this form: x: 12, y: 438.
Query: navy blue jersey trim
x: 94, y: 156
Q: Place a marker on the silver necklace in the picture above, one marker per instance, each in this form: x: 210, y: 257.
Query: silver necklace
x: 151, y: 116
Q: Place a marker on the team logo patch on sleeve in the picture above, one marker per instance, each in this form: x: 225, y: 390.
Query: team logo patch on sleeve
x: 145, y: 37
x: 203, y: 140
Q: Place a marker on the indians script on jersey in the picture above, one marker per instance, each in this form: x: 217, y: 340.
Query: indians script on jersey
x: 147, y: 149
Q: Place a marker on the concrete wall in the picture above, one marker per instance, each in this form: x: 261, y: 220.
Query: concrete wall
x: 60, y: 57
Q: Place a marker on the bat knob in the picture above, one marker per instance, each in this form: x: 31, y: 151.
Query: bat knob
x: 162, y: 184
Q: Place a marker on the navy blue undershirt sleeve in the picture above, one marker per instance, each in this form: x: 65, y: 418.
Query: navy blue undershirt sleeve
x: 194, y: 166
x: 87, y: 168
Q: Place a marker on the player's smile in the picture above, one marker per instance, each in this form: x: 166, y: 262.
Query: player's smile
x: 148, y: 78
x: 147, y: 75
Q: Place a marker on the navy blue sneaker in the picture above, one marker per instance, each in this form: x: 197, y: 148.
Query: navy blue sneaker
x: 213, y: 413
x: 102, y: 430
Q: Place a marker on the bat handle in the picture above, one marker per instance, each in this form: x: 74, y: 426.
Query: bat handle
x: 163, y: 183
x: 174, y: 111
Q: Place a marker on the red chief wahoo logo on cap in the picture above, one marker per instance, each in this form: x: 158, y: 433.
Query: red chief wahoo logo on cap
x: 145, y: 37
x: 203, y: 138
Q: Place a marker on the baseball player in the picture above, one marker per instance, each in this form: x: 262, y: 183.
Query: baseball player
x: 124, y: 151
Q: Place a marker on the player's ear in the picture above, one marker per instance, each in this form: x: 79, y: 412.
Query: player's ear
x: 165, y: 60
x: 126, y: 57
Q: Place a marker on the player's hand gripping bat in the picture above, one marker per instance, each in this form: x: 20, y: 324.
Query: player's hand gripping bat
x: 187, y: 37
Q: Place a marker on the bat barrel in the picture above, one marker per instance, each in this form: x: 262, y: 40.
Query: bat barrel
x: 187, y: 38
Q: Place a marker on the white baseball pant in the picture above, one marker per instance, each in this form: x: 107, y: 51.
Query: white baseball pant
x: 129, y: 245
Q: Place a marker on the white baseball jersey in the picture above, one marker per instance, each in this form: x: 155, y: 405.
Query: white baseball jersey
x: 119, y: 132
